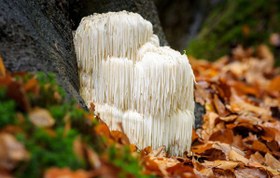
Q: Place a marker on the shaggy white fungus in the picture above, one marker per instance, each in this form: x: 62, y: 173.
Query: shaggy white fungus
x: 134, y: 81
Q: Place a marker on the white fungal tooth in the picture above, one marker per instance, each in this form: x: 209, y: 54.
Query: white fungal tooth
x: 132, y: 80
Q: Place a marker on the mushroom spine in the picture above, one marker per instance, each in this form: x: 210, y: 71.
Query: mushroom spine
x: 134, y: 81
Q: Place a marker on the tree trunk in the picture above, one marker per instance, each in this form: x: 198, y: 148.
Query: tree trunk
x: 36, y: 35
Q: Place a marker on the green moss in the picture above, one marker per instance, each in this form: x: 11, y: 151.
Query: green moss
x: 123, y: 159
x: 7, y: 109
x: 49, y: 151
x: 224, y: 27
x: 53, y: 147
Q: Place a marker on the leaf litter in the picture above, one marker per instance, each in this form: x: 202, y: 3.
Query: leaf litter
x: 240, y: 135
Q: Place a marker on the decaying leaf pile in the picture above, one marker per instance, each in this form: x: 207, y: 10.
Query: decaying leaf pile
x: 240, y: 136
x: 41, y: 135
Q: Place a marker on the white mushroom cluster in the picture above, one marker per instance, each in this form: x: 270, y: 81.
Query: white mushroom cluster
x: 134, y: 81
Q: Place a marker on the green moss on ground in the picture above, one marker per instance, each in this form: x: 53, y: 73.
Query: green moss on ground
x: 54, y: 146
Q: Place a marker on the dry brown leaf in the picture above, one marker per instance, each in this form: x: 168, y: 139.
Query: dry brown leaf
x: 219, y: 106
x: 239, y: 105
x: 224, y: 136
x: 226, y: 148
x: 198, y: 149
x: 221, y: 164
x: 32, y: 85
x: 11, y: 152
x: 234, y: 156
x: 78, y: 148
x: 102, y: 129
x: 16, y: 92
x: 93, y: 158
x: 266, y: 55
x: 209, y: 124
x: 202, y: 94
x: 120, y: 137
x: 274, y: 85
x: 194, y: 135
x: 2, y: 67
x: 65, y: 173
x: 250, y: 173
x: 229, y: 118
x: 206, y: 172
x: 259, y: 146
x: 243, y: 89
x: 182, y: 170
x: 272, y: 162
x: 41, y: 117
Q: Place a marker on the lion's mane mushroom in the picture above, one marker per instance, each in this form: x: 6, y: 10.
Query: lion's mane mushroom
x: 134, y: 81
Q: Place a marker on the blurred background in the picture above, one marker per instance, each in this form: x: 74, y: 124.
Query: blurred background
x: 211, y: 28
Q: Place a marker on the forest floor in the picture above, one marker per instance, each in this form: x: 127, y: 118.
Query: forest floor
x: 42, y: 135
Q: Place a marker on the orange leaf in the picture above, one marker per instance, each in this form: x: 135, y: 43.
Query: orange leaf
x: 272, y: 162
x: 31, y: 85
x: 120, y: 137
x: 274, y: 84
x: 224, y: 136
x: 259, y: 146
x: 103, y: 129
x: 65, y: 172
x: 2, y: 68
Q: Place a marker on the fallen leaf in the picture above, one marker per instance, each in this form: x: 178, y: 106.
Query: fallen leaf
x: 234, y: 156
x: 219, y: 106
x: 16, y: 92
x: 41, y: 117
x: 257, y: 157
x: 250, y: 173
x: 224, y: 136
x: 32, y: 85
x: 206, y: 172
x: 221, y: 164
x: 272, y: 162
x: 65, y: 173
x: 182, y: 170
x: 120, y: 137
x: 259, y: 146
x: 78, y: 148
x: 11, y: 152
x: 274, y: 84
x: 93, y: 158
x: 2, y: 67
x: 103, y: 129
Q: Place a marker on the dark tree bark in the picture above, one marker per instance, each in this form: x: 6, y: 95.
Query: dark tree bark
x: 36, y: 36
